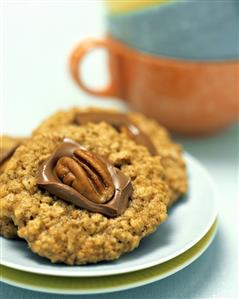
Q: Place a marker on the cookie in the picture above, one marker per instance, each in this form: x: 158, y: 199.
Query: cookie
x: 7, y: 228
x: 46, y: 189
x: 142, y: 130
x: 8, y: 146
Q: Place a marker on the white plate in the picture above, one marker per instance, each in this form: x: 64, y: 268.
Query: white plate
x: 106, y: 284
x: 189, y: 220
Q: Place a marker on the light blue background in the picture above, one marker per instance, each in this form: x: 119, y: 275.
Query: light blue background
x: 37, y: 39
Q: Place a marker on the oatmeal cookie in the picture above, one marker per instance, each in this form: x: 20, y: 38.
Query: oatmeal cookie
x: 8, y: 146
x: 63, y: 232
x: 155, y: 137
x: 7, y: 228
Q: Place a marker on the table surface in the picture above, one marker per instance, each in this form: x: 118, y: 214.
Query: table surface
x: 36, y: 40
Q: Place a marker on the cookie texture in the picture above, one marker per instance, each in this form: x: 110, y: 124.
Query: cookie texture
x: 7, y: 228
x: 8, y: 145
x: 170, y: 152
x: 61, y: 232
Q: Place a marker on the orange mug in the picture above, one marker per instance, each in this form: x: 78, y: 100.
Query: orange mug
x: 186, y: 96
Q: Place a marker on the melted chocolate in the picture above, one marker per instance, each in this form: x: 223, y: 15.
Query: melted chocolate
x: 118, y: 121
x: 48, y: 180
x: 6, y: 153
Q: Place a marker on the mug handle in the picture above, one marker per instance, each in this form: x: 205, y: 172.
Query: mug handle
x: 112, y: 90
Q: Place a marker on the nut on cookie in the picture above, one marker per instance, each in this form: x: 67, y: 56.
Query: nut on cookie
x: 123, y: 196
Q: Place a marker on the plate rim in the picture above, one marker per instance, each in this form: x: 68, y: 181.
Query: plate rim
x: 189, y: 160
x: 193, y: 254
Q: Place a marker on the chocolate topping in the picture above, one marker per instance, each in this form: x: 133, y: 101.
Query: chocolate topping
x: 119, y: 121
x: 6, y: 153
x: 85, y: 179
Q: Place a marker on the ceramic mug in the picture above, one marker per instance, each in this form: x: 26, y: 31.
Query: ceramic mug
x: 186, y: 96
x: 188, y: 30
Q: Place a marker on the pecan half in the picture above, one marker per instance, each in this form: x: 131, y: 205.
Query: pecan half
x: 87, y: 174
x: 85, y: 179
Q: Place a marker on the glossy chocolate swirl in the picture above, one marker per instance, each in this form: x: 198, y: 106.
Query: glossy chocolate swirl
x: 85, y: 179
x: 119, y: 121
